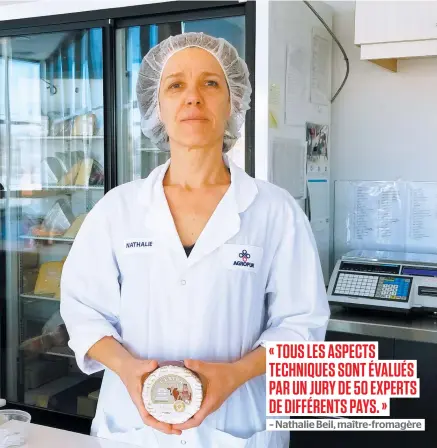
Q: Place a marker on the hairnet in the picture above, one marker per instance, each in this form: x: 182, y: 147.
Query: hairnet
x: 149, y: 78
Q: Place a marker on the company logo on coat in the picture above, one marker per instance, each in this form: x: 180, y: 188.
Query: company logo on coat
x: 244, y: 255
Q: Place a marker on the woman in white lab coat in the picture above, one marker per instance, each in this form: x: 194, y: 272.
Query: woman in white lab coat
x: 198, y: 262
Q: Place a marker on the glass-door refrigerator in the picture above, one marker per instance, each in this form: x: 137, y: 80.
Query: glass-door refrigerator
x: 136, y: 154
x: 51, y: 174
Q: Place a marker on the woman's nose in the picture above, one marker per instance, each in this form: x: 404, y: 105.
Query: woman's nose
x: 193, y: 101
x: 193, y: 97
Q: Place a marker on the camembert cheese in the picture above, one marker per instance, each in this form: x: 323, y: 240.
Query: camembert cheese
x: 172, y: 394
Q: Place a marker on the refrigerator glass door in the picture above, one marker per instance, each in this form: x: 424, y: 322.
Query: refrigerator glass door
x: 51, y: 175
x: 137, y: 156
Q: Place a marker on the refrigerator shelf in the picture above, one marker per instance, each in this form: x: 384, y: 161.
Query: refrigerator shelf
x: 32, y: 194
x: 59, y: 239
x: 20, y: 122
x: 63, y: 352
x: 38, y: 297
x: 49, y: 190
x: 71, y: 187
x: 154, y: 151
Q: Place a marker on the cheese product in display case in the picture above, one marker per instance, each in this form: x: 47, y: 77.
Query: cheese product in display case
x: 97, y: 174
x: 77, y: 156
x: 74, y: 228
x: 52, y: 170
x: 65, y: 160
x: 29, y: 260
x: 29, y: 278
x: 58, y: 337
x: 60, y: 217
x: 84, y: 125
x: 90, y: 173
x: 49, y: 279
x: 57, y: 221
x: 83, y: 176
x: 88, y: 405
x: 70, y: 177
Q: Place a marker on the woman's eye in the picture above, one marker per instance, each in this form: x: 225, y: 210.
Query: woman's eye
x: 175, y: 85
x: 212, y: 83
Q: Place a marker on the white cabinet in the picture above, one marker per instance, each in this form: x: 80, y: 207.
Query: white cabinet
x: 390, y: 30
x: 395, y: 21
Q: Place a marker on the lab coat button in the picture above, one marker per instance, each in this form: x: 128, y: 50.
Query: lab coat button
x: 183, y: 442
x: 183, y: 282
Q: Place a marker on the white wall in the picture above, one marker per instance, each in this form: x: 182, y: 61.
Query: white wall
x: 292, y: 23
x: 383, y: 123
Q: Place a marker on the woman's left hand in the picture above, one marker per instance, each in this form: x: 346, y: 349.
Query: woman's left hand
x: 219, y: 381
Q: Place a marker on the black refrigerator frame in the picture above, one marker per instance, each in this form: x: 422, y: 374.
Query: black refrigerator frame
x: 110, y: 20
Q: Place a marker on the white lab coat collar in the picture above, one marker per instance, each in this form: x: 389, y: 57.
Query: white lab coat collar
x: 243, y: 186
x: 223, y: 224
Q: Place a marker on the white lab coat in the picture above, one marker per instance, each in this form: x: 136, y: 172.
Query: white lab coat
x: 127, y: 276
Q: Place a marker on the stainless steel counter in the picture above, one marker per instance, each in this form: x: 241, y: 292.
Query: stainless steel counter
x: 372, y: 324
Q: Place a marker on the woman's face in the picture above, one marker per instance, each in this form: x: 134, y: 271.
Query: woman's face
x: 194, y: 99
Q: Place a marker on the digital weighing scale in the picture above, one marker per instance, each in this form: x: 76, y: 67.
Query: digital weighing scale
x: 381, y: 279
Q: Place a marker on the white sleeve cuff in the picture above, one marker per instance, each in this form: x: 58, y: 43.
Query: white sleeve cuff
x: 279, y: 334
x: 80, y: 344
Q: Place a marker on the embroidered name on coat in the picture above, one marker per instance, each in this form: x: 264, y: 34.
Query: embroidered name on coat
x: 135, y: 244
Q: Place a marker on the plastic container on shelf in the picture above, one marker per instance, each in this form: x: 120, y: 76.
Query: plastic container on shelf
x: 14, y: 428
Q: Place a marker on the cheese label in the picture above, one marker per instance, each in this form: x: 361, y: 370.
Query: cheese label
x: 171, y: 389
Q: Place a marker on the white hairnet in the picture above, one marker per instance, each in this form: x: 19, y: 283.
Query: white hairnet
x: 149, y: 78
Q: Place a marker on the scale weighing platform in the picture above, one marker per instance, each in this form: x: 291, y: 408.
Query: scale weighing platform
x: 379, y: 279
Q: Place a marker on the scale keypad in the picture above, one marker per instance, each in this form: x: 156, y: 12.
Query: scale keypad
x: 356, y: 285
x: 373, y: 286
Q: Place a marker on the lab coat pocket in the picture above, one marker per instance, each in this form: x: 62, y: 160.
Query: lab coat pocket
x: 241, y: 257
x: 137, y: 259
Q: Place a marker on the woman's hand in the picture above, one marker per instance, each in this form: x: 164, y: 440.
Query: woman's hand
x: 133, y: 374
x: 219, y: 381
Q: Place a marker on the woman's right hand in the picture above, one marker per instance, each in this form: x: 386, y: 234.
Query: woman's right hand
x: 133, y: 374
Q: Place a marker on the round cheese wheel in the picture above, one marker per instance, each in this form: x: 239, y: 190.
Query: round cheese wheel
x: 172, y: 394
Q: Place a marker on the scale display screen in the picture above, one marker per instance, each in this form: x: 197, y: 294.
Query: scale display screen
x: 422, y: 272
x: 367, y: 267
